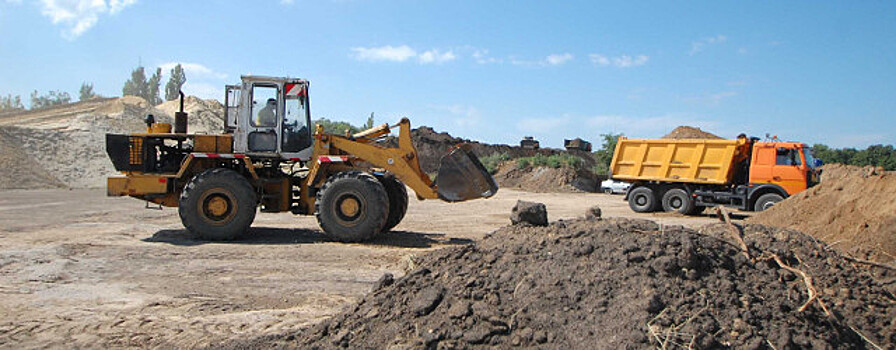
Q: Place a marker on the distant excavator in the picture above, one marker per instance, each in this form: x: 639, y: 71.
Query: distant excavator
x: 268, y: 157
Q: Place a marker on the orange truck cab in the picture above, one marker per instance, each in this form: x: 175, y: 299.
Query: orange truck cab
x: 789, y: 165
x: 688, y: 175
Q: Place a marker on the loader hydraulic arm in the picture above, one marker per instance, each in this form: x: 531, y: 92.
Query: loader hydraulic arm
x: 402, y: 161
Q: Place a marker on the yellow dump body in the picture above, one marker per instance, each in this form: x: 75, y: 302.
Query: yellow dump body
x: 677, y: 160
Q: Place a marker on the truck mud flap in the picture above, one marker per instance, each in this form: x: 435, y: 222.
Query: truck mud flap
x: 462, y: 177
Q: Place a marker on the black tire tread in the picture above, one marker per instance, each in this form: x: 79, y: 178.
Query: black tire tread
x: 379, y: 206
x: 398, y: 200
x: 650, y: 207
x: 239, y: 185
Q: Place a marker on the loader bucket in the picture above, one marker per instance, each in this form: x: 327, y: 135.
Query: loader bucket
x: 462, y: 177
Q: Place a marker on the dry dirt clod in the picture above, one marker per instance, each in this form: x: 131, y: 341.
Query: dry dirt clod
x: 593, y: 213
x: 530, y: 213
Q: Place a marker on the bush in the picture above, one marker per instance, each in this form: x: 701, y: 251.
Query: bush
x: 493, y: 161
x: 555, y: 161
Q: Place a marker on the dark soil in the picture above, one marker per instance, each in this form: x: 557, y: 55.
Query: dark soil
x: 616, y: 283
x: 432, y: 145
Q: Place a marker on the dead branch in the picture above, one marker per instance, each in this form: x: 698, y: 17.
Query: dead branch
x: 810, y: 287
x: 869, y: 263
x: 734, y: 229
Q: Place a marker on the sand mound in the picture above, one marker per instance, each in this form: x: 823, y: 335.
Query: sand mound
x: 689, y: 132
x: 545, y: 179
x: 614, y: 283
x: 64, y: 146
x: 852, y: 209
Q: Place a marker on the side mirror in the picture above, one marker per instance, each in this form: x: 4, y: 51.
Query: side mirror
x: 818, y: 162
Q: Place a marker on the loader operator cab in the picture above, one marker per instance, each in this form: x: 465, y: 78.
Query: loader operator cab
x: 269, y: 117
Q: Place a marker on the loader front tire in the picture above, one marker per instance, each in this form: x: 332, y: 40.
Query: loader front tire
x: 218, y: 205
x: 352, y: 206
x: 398, y: 200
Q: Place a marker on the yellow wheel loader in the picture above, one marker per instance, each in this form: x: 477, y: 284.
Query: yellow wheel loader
x: 269, y: 157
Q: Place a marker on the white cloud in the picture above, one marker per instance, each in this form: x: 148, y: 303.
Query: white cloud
x: 699, y: 45
x: 78, y: 16
x: 402, y: 53
x: 434, y: 56
x: 193, y: 70
x: 558, y: 59
x: 482, y: 57
x: 624, y: 61
x: 384, y: 53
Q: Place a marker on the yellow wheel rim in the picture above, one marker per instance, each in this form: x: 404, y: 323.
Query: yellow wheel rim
x: 349, y: 207
x: 217, y: 206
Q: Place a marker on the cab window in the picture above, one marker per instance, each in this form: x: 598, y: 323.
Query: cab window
x: 296, y: 135
x: 788, y: 156
x: 264, y: 106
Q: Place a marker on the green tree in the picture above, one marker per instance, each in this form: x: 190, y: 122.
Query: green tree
x: 175, y: 83
x: 875, y: 155
x: 604, y: 155
x: 137, y: 85
x: 369, y: 123
x: 52, y: 98
x: 336, y: 127
x: 10, y: 103
x: 152, y: 94
x: 86, y: 92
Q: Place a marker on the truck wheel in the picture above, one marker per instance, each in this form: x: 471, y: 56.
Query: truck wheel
x: 398, y: 200
x: 677, y: 200
x: 218, y: 204
x: 352, y: 206
x: 642, y: 200
x: 767, y: 201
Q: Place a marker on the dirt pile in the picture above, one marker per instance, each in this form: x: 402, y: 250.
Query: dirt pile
x: 545, y: 179
x: 852, y: 209
x: 690, y: 132
x: 432, y: 145
x: 616, y: 283
x: 64, y: 146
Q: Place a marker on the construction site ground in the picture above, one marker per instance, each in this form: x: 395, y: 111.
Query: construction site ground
x: 78, y: 269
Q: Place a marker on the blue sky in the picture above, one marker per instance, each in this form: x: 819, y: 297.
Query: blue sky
x: 817, y: 72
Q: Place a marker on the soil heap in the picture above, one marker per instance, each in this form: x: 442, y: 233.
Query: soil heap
x: 65, y: 146
x: 432, y: 145
x: 545, y: 179
x: 690, y: 132
x: 617, y: 283
x: 852, y: 209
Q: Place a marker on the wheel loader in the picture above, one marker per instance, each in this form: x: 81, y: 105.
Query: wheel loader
x: 269, y: 157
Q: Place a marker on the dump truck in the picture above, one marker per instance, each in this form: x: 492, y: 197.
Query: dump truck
x: 269, y: 157
x: 689, y: 175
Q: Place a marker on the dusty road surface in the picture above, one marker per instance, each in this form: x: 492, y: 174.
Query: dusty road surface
x: 78, y: 269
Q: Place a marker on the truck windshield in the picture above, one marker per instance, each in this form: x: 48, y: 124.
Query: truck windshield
x: 810, y: 160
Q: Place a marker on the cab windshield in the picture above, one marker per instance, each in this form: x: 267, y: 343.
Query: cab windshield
x: 810, y: 160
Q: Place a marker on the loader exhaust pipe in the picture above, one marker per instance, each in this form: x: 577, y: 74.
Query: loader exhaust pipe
x: 180, y: 117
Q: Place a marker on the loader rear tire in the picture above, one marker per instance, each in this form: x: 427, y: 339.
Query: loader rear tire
x: 352, y: 206
x: 218, y: 205
x: 642, y: 200
x: 398, y: 200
